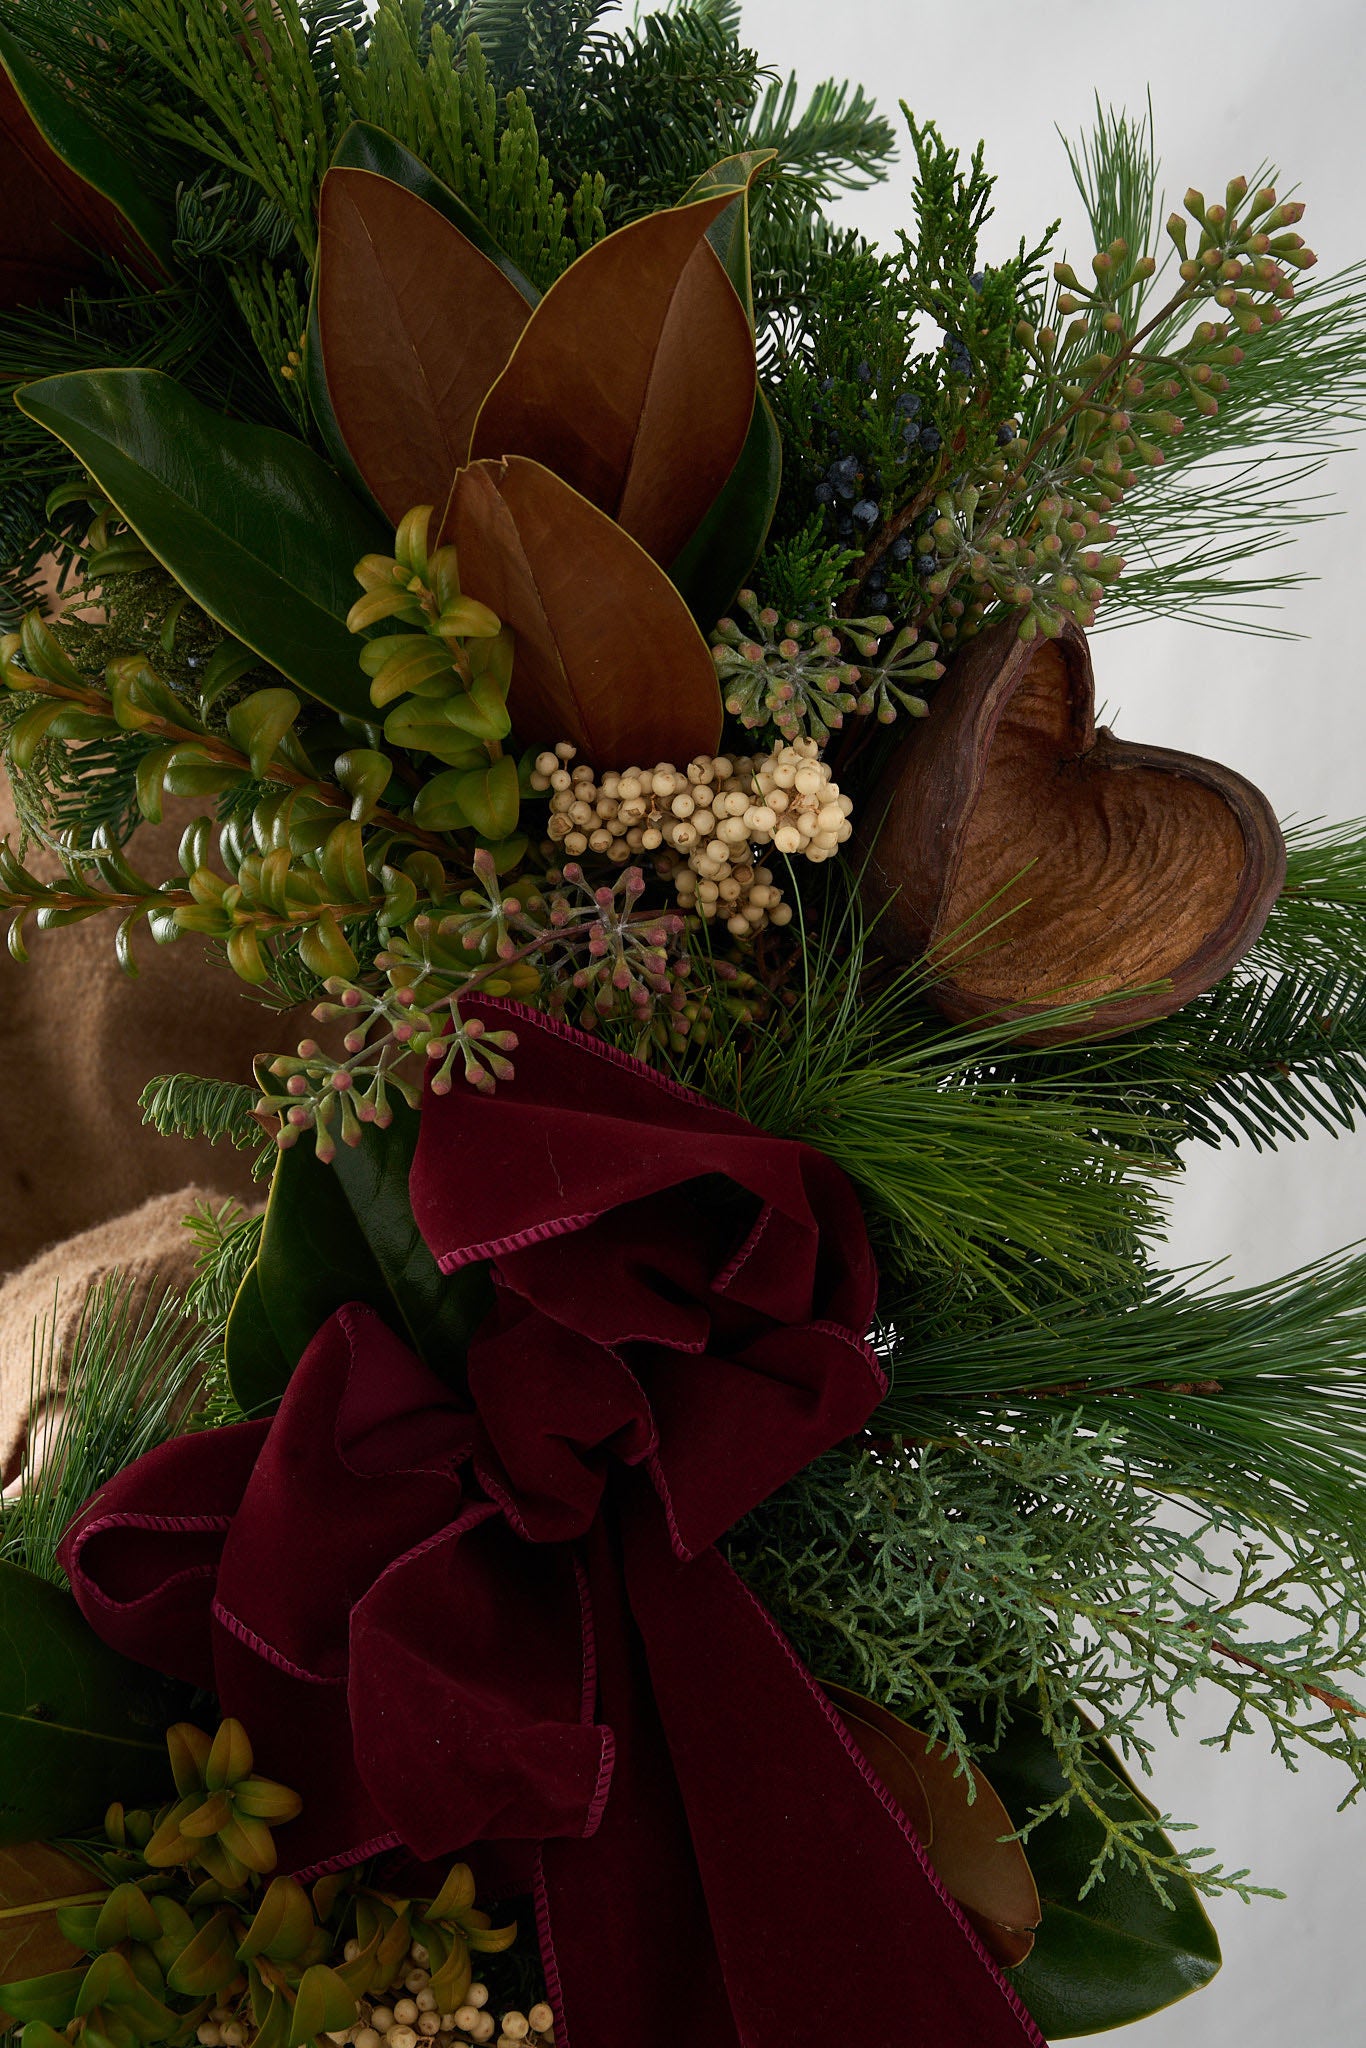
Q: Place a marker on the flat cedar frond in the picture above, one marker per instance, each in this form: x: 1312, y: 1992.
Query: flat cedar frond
x: 959, y: 1578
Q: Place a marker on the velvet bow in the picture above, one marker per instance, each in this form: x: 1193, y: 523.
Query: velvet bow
x: 503, y: 1620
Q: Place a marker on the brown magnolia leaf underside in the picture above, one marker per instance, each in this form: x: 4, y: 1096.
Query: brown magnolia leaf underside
x: 1046, y: 861
x: 31, y: 1944
x: 988, y: 1876
x: 416, y: 324
x: 52, y: 220
x: 635, y: 378
x: 607, y: 653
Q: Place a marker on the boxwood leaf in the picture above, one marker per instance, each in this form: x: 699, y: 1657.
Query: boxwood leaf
x: 405, y: 378
x: 608, y: 655
x: 65, y: 190
x: 341, y: 1233
x: 1118, y: 1954
x: 250, y: 522
x: 79, y: 1725
x: 634, y: 378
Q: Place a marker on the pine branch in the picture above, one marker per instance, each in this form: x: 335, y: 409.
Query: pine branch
x: 1197, y: 528
x: 132, y: 1369
x: 963, y: 1169
x: 1251, y: 1398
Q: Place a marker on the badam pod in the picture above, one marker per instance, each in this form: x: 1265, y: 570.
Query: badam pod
x: 1040, y: 861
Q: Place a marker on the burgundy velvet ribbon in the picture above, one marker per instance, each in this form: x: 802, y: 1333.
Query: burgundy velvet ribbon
x: 504, y: 1621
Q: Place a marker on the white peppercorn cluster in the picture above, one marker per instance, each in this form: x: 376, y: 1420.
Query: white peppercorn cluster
x: 703, y: 823
x: 412, y: 2020
x: 406, y: 2016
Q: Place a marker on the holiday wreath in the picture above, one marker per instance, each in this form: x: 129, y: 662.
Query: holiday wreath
x: 700, y: 1434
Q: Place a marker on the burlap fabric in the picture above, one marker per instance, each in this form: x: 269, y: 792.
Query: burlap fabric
x: 83, y: 1181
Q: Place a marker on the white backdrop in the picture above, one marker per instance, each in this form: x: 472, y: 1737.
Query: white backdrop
x: 1231, y: 85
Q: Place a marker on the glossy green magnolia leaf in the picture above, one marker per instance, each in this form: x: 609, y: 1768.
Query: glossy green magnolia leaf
x: 64, y: 189
x: 79, y: 1725
x: 258, y: 1364
x: 1119, y: 1953
x: 340, y: 1233
x: 717, y: 560
x: 250, y: 522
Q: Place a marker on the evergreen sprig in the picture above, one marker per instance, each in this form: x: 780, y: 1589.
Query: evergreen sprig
x: 957, y: 1579
x: 126, y: 1383
x: 189, y: 1106
x: 962, y: 1170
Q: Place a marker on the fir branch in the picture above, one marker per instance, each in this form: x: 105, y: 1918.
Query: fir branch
x: 131, y: 1369
x: 1318, y: 923
x: 1261, y: 1057
x: 192, y: 1106
x: 228, y: 1237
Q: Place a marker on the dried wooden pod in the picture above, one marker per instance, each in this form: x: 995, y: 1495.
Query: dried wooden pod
x: 1041, y: 861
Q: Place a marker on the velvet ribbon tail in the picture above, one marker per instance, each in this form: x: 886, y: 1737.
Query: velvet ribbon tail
x: 772, y: 1818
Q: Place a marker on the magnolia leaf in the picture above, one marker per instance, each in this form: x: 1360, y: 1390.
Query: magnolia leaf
x: 988, y: 1876
x: 608, y: 654
x: 364, y: 147
x: 1119, y: 1953
x: 65, y: 192
x: 35, y: 1880
x: 340, y: 1233
x: 415, y: 323
x: 634, y: 379
x: 79, y: 1725
x: 729, y: 232
x: 717, y: 560
x: 251, y: 523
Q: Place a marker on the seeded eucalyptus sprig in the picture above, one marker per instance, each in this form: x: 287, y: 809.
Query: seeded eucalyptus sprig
x: 595, y: 955
x: 801, y: 678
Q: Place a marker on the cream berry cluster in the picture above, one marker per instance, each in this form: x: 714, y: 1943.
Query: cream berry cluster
x: 702, y: 823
